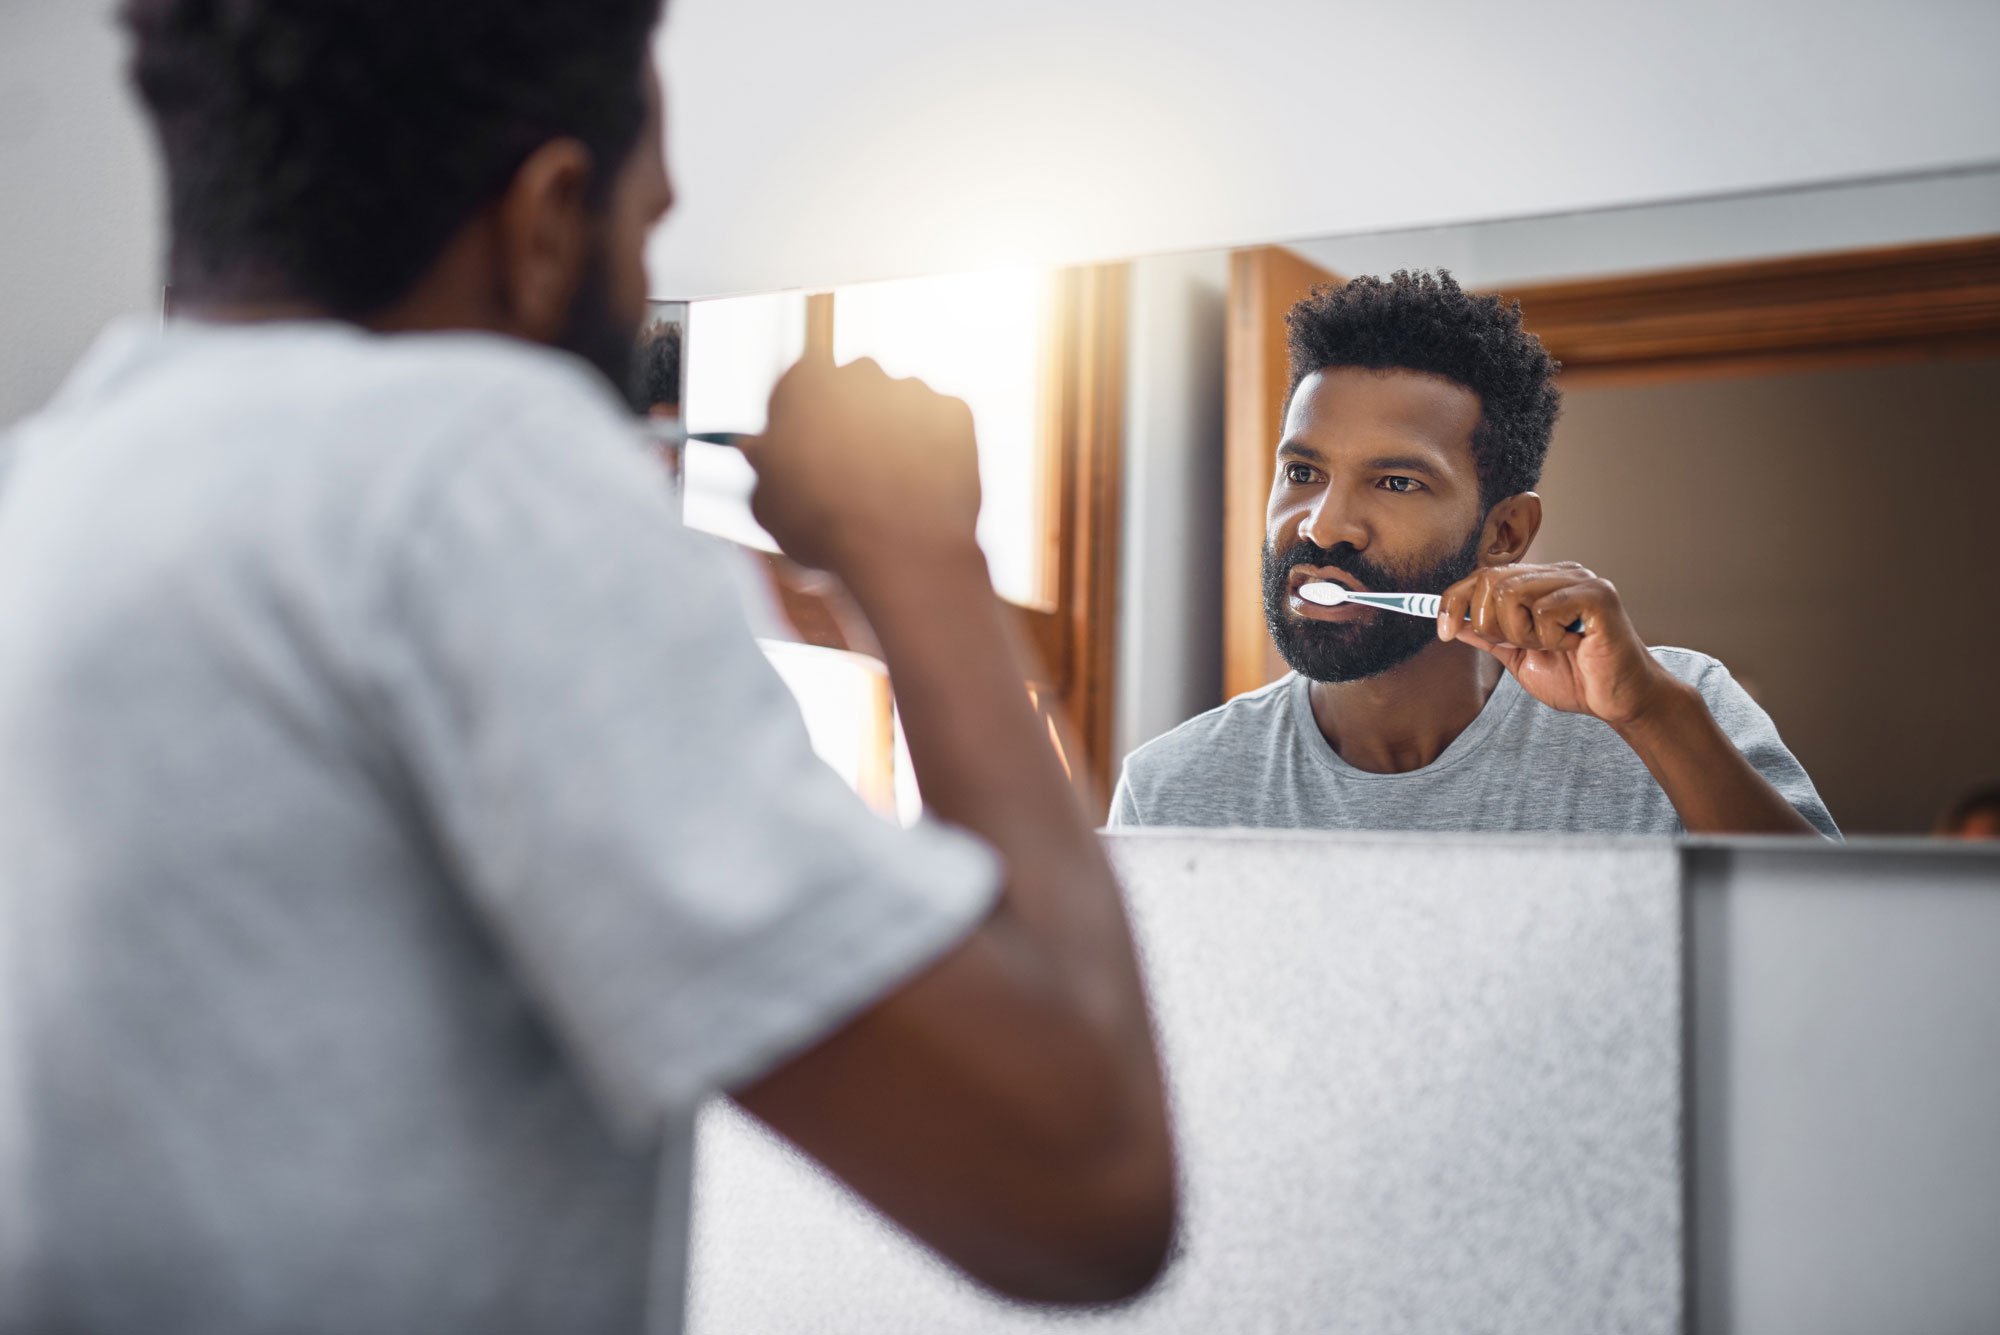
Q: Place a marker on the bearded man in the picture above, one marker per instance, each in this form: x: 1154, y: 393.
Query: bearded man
x: 401, y: 832
x: 1419, y: 419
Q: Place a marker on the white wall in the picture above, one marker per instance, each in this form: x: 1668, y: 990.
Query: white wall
x: 821, y: 143
x: 869, y: 138
x: 79, y: 232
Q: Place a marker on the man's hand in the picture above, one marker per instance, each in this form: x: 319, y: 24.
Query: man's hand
x: 857, y: 471
x: 1521, y: 614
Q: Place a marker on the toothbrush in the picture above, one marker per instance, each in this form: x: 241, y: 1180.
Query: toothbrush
x: 669, y: 431
x: 1409, y: 604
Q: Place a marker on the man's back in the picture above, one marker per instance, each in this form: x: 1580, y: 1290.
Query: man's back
x: 400, y: 830
x: 332, y: 953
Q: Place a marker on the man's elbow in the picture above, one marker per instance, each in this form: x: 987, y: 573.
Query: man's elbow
x: 1137, y: 1249
x: 1114, y: 1238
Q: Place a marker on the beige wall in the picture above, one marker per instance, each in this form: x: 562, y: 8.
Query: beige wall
x: 1831, y: 536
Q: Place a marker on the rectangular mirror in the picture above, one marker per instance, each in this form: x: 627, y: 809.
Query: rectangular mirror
x: 1775, y: 441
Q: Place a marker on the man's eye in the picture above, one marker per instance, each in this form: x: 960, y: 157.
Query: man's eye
x: 1402, y: 484
x: 1298, y: 474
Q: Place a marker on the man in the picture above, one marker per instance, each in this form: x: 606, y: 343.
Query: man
x: 656, y: 381
x: 1973, y: 816
x: 400, y: 832
x: 656, y: 387
x: 1419, y: 418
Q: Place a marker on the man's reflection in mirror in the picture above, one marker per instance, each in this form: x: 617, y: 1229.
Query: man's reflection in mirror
x: 656, y: 386
x: 1974, y: 816
x: 1419, y: 419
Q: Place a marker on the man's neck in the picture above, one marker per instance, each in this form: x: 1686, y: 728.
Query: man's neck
x: 457, y: 292
x: 1406, y: 717
x: 404, y: 317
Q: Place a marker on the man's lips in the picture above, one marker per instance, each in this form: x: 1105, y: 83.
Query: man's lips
x: 1302, y: 575
x: 1324, y: 575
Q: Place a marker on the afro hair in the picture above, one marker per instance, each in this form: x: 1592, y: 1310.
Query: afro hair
x: 1425, y: 322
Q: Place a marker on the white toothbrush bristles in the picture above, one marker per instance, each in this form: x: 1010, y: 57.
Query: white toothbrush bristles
x: 1325, y: 594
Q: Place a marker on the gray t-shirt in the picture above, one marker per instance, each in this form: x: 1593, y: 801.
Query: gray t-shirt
x: 1261, y: 761
x: 400, y: 834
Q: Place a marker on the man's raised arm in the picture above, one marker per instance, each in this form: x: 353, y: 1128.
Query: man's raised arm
x: 1523, y: 615
x: 1006, y: 1105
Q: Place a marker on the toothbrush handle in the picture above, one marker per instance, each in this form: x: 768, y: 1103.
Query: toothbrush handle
x: 1427, y: 604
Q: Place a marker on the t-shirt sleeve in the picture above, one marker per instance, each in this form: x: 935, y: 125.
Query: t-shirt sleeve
x: 1124, y: 805
x: 621, y: 784
x: 1756, y: 736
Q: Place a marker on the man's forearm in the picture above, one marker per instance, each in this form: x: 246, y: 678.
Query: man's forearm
x: 983, y: 758
x: 1713, y: 787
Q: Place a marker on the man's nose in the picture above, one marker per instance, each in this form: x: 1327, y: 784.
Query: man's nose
x: 1332, y: 521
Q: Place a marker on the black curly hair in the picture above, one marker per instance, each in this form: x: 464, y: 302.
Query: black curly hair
x: 1425, y: 322
x: 656, y: 372
x: 327, y: 150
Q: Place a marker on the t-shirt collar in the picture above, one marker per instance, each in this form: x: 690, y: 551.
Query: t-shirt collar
x: 1491, y: 715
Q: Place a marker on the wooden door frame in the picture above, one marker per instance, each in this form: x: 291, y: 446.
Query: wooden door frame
x: 1853, y: 307
x: 1264, y: 283
x: 1848, y: 308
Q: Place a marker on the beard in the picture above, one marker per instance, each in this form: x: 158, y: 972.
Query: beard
x: 595, y: 332
x: 1349, y: 651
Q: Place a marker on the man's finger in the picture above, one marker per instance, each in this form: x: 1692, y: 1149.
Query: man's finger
x: 863, y: 368
x: 1558, y: 624
x: 1453, y: 605
x: 803, y: 376
x: 1519, y: 594
x: 1486, y: 610
x: 1573, y: 609
x: 1512, y: 617
x: 1507, y: 654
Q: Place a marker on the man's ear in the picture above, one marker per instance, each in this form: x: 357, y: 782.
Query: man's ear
x: 1510, y: 529
x: 543, y: 231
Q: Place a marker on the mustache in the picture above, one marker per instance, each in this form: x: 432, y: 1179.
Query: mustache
x: 1341, y: 556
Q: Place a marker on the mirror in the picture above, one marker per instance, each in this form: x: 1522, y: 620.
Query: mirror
x: 1775, y: 441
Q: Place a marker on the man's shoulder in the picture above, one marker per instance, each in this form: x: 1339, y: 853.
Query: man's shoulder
x: 487, y: 359
x: 1211, y: 769
x: 347, y: 439
x: 449, y: 379
x: 1688, y: 665
x: 414, y: 380
x: 397, y: 415
x: 1531, y: 719
x: 338, y: 395
x: 1244, y: 722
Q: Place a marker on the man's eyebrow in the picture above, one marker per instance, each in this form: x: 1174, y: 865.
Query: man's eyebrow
x: 1381, y: 463
x: 1404, y: 463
